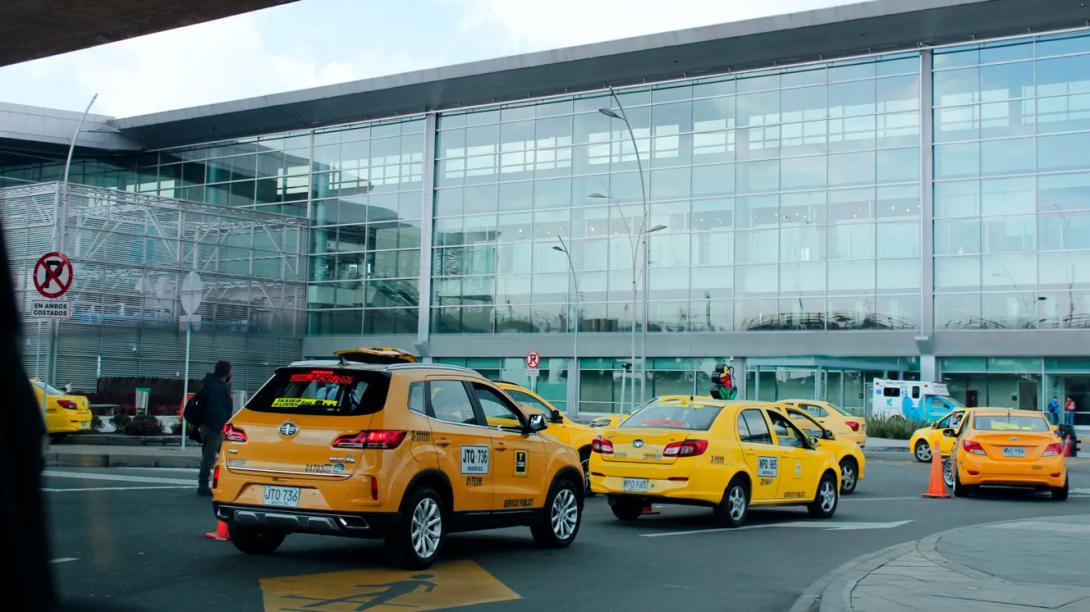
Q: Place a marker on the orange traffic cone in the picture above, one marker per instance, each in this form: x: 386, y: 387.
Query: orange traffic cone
x: 222, y: 533
x: 1067, y: 446
x: 937, y: 487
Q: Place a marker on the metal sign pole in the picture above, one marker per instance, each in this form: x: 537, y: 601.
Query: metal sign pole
x: 185, y: 381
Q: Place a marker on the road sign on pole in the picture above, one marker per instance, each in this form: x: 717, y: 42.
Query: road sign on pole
x: 50, y: 309
x: 533, y: 360
x: 192, y: 293
x: 53, y: 275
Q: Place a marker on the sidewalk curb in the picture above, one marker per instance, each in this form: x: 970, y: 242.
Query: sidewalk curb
x: 106, y: 460
x: 832, y: 592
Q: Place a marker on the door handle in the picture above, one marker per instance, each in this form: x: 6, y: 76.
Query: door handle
x: 500, y: 447
x: 442, y: 442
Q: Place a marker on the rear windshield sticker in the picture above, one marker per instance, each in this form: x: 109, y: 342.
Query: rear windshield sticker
x: 295, y: 402
x: 475, y: 459
x: 768, y: 467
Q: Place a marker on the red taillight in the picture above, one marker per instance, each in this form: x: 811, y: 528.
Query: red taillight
x: 233, y: 434
x: 1052, y: 450
x: 382, y: 439
x: 854, y: 426
x: 685, y: 448
x: 216, y: 477
x: 601, y: 445
x: 972, y: 446
x: 67, y: 404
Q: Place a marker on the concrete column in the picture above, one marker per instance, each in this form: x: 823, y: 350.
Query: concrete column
x: 427, y: 197
x: 927, y: 206
x: 739, y: 364
x: 928, y: 368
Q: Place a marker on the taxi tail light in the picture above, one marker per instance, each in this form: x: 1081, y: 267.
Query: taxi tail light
x: 602, y: 446
x: 853, y: 425
x: 67, y: 404
x: 685, y: 448
x: 216, y: 477
x: 972, y: 446
x: 384, y: 439
x: 1052, y: 450
x: 233, y: 434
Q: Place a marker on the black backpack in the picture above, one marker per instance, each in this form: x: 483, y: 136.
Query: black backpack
x: 195, y: 408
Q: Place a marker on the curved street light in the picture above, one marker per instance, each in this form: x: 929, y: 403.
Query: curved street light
x: 573, y: 407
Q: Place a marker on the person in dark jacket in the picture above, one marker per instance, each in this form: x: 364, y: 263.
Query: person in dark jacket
x: 216, y: 396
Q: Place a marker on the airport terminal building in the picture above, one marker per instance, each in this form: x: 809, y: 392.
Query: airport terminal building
x: 891, y: 188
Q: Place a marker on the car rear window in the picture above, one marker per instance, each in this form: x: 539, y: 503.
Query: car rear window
x: 322, y: 391
x: 1011, y: 423
x: 694, y: 417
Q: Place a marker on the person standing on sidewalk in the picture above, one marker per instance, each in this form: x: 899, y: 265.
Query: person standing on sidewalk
x: 216, y: 396
x: 1069, y: 411
x: 1054, y: 410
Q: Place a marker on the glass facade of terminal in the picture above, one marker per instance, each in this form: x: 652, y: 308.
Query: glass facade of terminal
x: 813, y: 197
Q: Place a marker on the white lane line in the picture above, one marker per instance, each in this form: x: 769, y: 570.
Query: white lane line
x: 151, y: 488
x: 63, y: 560
x: 117, y: 477
x: 824, y: 525
x: 870, y: 499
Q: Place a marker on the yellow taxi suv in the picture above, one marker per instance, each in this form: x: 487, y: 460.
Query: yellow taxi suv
x: 847, y: 453
x: 63, y: 413
x: 401, y: 451
x: 844, y: 426
x: 924, y: 439
x: 565, y: 430
x: 1010, y: 448
x: 725, y: 455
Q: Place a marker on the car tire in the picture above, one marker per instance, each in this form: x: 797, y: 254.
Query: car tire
x: 826, y: 499
x: 256, y: 541
x: 922, y: 452
x: 960, y: 490
x: 626, y: 508
x: 849, y: 476
x: 1060, y: 493
x: 734, y: 507
x: 415, y: 543
x: 584, y: 462
x: 559, y: 521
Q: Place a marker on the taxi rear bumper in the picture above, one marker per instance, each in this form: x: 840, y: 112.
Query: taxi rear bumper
x: 1045, y: 472
x: 352, y: 524
x: 666, y: 483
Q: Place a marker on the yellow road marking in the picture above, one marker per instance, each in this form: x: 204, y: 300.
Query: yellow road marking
x: 445, y: 585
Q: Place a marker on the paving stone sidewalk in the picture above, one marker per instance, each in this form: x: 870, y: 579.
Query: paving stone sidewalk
x: 1017, y: 565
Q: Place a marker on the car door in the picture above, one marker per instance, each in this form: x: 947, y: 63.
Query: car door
x: 463, y: 445
x: 798, y: 462
x: 761, y: 455
x: 518, y: 480
x: 935, y: 437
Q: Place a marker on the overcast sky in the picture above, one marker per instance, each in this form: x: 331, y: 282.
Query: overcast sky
x: 319, y: 42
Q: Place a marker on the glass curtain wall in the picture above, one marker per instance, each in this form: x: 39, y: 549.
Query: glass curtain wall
x: 790, y: 200
x: 1012, y: 184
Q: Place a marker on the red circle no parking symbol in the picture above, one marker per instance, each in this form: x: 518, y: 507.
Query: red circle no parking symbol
x: 53, y: 275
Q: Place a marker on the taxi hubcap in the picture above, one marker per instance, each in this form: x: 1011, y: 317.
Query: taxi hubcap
x: 737, y: 503
x: 828, y: 496
x: 948, y: 473
x: 923, y: 452
x: 565, y: 514
x: 847, y: 476
x: 427, y: 525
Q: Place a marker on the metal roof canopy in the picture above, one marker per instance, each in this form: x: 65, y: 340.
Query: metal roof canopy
x: 842, y: 31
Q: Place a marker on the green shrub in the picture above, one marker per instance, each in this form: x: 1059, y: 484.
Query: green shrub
x: 144, y: 425
x: 894, y: 428
x: 120, y: 421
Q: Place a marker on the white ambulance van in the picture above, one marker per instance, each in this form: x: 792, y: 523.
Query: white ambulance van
x: 911, y: 399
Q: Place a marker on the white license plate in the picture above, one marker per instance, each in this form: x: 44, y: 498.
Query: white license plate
x: 282, y: 496
x: 635, y: 485
x: 1014, y: 451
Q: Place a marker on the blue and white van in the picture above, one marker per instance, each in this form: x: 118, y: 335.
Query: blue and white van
x: 911, y: 399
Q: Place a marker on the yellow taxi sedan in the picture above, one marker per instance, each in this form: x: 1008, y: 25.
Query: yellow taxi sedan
x: 63, y: 413
x: 1011, y: 448
x: 924, y: 439
x: 565, y: 430
x: 843, y: 425
x: 725, y: 455
x: 847, y: 453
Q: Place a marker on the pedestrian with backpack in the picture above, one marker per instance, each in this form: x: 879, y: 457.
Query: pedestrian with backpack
x: 210, y: 409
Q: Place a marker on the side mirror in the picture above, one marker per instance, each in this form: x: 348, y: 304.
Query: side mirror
x: 814, y: 442
x: 537, y: 423
x: 949, y: 433
x: 555, y: 417
x: 828, y: 435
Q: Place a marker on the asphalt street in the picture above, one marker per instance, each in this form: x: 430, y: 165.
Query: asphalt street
x: 134, y: 539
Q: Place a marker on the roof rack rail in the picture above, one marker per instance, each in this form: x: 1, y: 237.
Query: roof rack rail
x: 433, y: 366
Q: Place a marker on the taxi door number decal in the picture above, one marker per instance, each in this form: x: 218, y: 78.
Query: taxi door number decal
x: 520, y: 463
x: 475, y: 459
x: 768, y: 467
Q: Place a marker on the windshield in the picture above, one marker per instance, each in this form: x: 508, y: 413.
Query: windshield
x: 1005, y: 423
x: 694, y: 417
x: 321, y: 391
x: 529, y: 402
x: 49, y: 389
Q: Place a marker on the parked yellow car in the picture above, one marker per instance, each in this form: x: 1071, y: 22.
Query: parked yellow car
x: 843, y: 425
x: 926, y: 438
x: 849, y: 457
x: 64, y: 413
x: 565, y: 430
x: 726, y: 455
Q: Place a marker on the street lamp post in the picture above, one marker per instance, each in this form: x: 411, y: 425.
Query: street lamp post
x: 573, y: 407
